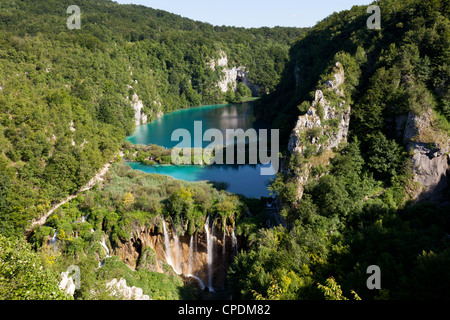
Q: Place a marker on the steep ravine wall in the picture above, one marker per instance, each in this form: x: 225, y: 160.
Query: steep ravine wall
x: 324, y: 126
x: 233, y: 76
x: 429, y: 149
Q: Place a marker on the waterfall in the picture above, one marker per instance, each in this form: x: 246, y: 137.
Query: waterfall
x: 178, y: 264
x: 192, y: 250
x: 191, y: 255
x: 54, y: 238
x: 167, y: 245
x: 234, y: 243
x: 223, y: 241
x: 209, y: 252
x: 195, y: 243
x: 101, y: 263
x: 202, y: 285
x: 103, y: 243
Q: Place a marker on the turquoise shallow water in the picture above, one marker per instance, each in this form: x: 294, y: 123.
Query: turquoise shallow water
x: 241, y: 179
x: 222, y: 117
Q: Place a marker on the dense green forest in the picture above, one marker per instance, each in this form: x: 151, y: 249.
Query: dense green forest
x: 65, y: 94
x: 358, y: 210
x: 65, y: 111
x: 128, y: 199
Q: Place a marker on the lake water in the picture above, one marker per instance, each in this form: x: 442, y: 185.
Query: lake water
x: 241, y: 179
x: 222, y: 117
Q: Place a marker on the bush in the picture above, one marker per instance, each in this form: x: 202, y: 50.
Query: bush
x: 385, y: 156
x: 22, y: 275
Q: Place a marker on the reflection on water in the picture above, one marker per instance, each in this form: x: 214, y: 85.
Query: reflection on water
x: 220, y: 117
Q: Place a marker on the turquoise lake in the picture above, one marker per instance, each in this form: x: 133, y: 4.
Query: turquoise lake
x: 240, y: 179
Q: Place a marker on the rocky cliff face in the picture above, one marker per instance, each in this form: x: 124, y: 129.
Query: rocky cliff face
x: 233, y: 76
x: 326, y: 123
x: 139, y: 116
x: 324, y: 126
x: 429, y: 149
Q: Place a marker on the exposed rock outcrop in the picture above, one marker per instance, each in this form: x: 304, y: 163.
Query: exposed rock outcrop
x: 139, y: 115
x: 67, y: 284
x: 324, y: 126
x: 232, y: 76
x: 429, y: 148
x: 120, y: 289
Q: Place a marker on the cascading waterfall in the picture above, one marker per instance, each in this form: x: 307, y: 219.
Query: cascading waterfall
x: 101, y: 263
x: 191, y: 262
x: 178, y: 264
x: 209, y: 247
x: 234, y: 243
x: 54, y: 238
x: 200, y: 282
x: 167, y: 246
x: 191, y: 255
x: 103, y: 243
x: 174, y: 252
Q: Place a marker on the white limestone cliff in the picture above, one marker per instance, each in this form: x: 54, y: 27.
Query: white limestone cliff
x: 232, y: 76
x: 120, y: 289
x: 324, y: 126
x: 139, y: 115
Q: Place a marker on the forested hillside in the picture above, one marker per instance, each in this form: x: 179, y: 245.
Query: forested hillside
x: 375, y: 199
x: 68, y: 97
x: 364, y: 118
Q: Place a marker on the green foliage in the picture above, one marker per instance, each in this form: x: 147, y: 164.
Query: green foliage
x: 22, y: 276
x: 128, y: 201
x: 353, y: 211
x: 345, y: 221
x: 65, y: 96
x: 333, y: 291
x: 65, y: 108
x: 400, y: 69
x: 429, y: 277
x: 385, y: 156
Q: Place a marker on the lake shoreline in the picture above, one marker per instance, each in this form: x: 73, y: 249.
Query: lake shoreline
x: 150, y: 147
